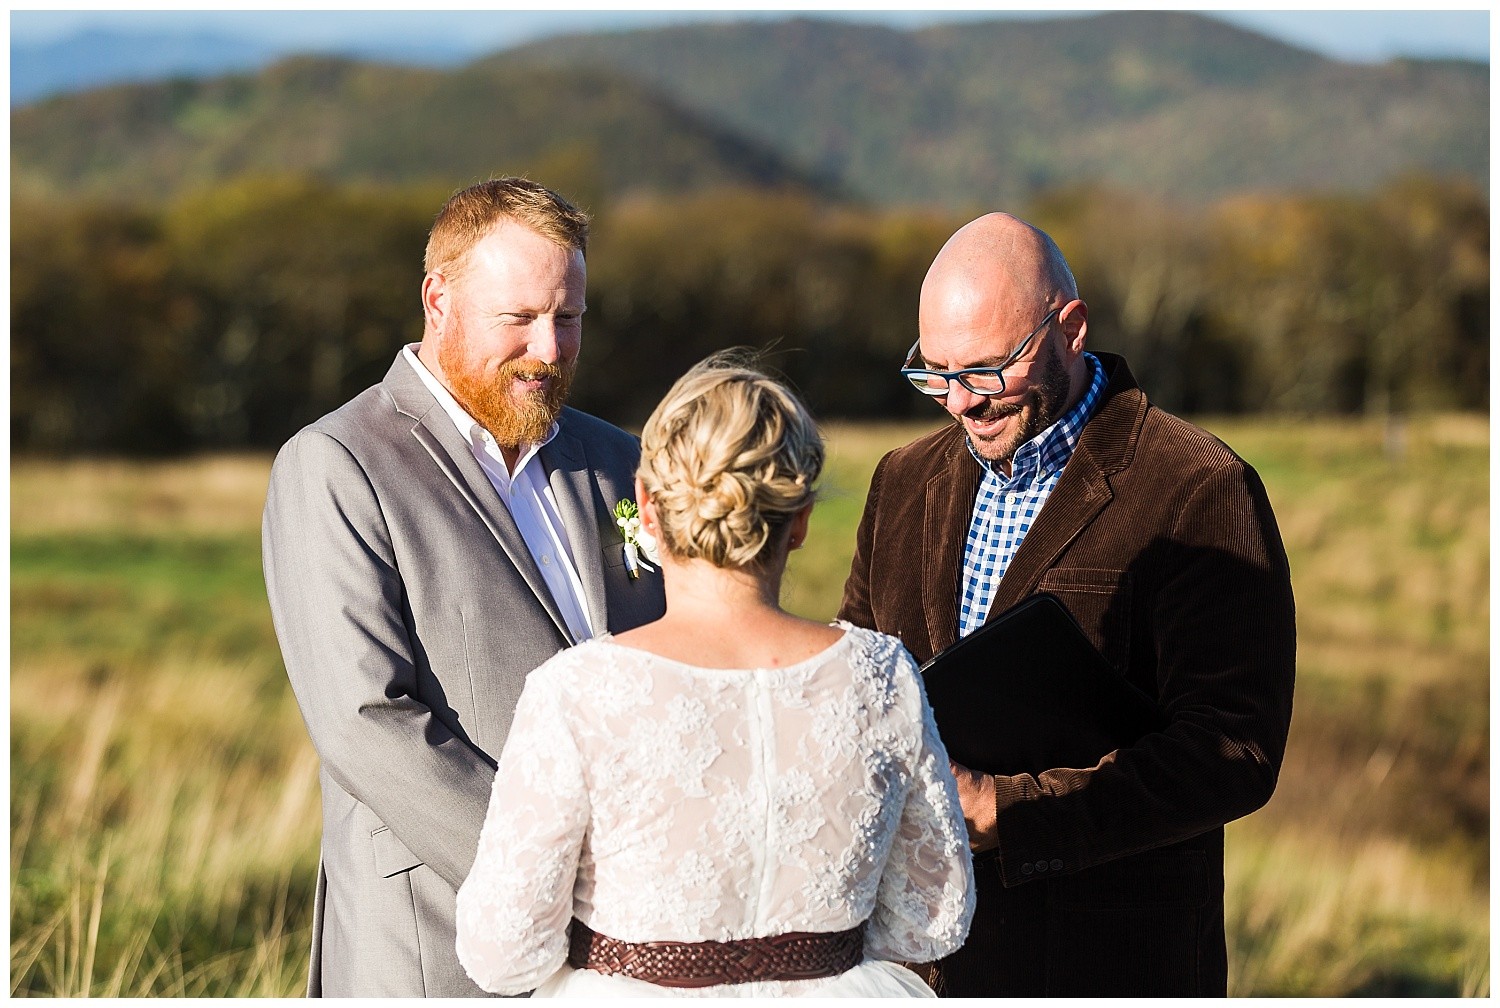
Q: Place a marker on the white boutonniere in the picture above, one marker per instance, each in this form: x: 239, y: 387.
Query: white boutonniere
x: 638, y: 542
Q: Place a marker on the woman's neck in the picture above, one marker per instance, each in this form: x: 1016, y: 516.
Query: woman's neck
x: 699, y: 591
x: 728, y: 618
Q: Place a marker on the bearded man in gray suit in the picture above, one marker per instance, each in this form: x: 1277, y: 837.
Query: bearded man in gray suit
x: 426, y: 546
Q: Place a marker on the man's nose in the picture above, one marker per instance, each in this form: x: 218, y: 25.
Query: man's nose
x: 542, y: 340
x: 960, y: 400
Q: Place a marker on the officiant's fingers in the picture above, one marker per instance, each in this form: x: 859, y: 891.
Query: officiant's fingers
x: 976, y: 795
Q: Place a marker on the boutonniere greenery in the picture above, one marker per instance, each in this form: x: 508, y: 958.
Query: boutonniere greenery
x: 639, y: 543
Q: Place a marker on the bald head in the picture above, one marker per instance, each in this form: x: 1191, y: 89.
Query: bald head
x: 1001, y: 264
x: 997, y: 280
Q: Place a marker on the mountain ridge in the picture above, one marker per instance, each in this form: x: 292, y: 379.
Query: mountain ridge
x: 96, y: 57
x: 1173, y: 105
x: 353, y: 121
x: 982, y: 105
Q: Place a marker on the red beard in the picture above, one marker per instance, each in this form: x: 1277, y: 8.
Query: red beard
x: 512, y: 420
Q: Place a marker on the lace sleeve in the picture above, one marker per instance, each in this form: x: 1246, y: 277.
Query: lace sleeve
x: 515, y: 905
x: 926, y: 895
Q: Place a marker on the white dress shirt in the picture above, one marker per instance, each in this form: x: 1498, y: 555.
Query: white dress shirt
x: 528, y: 497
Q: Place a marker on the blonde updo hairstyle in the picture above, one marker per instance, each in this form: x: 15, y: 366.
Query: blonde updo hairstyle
x: 728, y: 457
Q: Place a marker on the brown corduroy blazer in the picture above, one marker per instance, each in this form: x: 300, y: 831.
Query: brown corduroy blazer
x: 1108, y: 880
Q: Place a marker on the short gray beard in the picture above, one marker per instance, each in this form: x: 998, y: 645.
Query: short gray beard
x: 1042, y: 407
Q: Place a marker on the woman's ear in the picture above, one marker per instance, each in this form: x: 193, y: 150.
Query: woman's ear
x: 799, y: 526
x: 647, y: 507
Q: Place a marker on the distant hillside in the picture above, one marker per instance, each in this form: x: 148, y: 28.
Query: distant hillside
x: 591, y: 132
x: 1172, y: 104
x: 1167, y: 104
x: 95, y: 58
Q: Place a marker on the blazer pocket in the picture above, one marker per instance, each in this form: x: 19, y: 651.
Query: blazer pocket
x: 391, y: 855
x: 1100, y: 600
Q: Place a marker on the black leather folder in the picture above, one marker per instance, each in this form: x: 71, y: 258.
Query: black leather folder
x: 1028, y: 692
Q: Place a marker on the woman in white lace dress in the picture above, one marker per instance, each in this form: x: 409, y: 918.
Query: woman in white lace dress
x: 731, y: 801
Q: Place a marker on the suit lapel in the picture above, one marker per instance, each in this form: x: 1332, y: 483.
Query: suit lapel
x: 576, y: 491
x: 946, y: 514
x: 455, y: 460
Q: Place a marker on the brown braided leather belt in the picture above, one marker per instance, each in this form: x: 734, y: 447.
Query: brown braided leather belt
x: 797, y: 955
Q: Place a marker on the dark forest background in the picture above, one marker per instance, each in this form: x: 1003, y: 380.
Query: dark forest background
x: 208, y: 264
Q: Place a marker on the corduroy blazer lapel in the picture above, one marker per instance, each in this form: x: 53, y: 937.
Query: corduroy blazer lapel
x: 946, y: 515
x: 455, y: 460
x: 1104, y: 447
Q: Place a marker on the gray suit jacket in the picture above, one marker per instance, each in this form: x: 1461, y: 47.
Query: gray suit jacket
x: 409, y: 612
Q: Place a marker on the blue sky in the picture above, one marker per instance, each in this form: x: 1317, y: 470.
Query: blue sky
x: 1346, y: 34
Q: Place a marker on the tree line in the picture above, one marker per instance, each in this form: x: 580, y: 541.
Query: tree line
x: 232, y: 317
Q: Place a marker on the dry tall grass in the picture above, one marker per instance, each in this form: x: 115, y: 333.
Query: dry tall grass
x: 211, y: 495
x: 164, y: 823
x: 164, y: 812
x: 164, y: 797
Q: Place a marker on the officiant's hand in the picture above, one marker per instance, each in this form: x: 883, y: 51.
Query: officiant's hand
x: 976, y: 794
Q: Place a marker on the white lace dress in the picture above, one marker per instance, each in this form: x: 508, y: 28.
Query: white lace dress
x: 655, y: 800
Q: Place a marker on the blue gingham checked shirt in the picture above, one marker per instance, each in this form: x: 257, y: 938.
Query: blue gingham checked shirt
x: 1005, y: 508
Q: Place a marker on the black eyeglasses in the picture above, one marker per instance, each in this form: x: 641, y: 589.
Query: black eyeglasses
x: 985, y: 381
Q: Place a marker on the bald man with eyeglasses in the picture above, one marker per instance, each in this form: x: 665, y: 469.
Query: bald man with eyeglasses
x: 1058, y: 475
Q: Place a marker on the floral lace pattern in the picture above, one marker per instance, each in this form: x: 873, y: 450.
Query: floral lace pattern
x: 655, y: 800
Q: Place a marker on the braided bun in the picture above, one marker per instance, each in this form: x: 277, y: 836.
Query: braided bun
x: 728, y: 457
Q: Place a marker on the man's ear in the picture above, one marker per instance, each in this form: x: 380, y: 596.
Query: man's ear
x: 1075, y: 322
x: 435, y: 301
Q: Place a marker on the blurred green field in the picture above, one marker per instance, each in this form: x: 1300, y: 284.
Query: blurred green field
x: 164, y: 816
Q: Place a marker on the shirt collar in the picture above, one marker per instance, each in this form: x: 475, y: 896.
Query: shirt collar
x: 1050, y: 450
x: 466, y: 424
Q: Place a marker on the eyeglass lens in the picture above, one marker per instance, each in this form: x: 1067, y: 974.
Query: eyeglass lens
x: 979, y: 382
